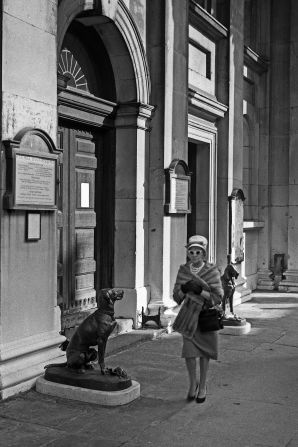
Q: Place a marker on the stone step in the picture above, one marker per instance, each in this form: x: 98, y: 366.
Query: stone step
x: 123, y: 325
x: 118, y: 342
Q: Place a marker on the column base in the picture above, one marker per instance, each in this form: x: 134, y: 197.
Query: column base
x: 265, y: 281
x: 131, y: 304
x: 290, y: 283
x: 242, y: 292
x: 24, y: 361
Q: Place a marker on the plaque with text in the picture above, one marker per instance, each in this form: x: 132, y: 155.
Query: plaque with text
x: 35, y: 181
x: 236, y: 226
x: 177, y: 191
x: 32, y: 181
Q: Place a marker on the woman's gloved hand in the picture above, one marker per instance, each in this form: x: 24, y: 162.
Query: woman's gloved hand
x: 191, y: 286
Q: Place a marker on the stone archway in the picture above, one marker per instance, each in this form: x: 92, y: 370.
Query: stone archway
x: 117, y: 30
x: 120, y: 33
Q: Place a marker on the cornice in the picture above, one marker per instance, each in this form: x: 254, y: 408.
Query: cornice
x: 205, y: 22
x: 134, y: 115
x: 205, y: 106
x: 83, y: 107
x: 254, y: 61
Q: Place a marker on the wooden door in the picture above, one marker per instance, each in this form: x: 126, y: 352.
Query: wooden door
x: 78, y: 228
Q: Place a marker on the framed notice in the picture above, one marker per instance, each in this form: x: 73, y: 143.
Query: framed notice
x: 85, y: 202
x: 236, y: 226
x: 32, y: 180
x: 33, y: 226
x: 177, y: 193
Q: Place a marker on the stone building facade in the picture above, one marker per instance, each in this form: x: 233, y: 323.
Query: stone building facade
x: 127, y: 126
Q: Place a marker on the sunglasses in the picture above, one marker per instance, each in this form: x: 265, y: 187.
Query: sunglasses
x: 195, y: 252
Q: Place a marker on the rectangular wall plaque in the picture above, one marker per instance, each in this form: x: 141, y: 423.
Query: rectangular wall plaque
x: 32, y: 180
x: 35, y: 181
x: 237, y: 241
x: 177, y: 188
x: 85, y: 195
x: 179, y: 193
x: 33, y: 226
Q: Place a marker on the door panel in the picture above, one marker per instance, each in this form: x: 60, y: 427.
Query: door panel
x: 84, y: 223
x: 76, y: 224
x: 85, y: 220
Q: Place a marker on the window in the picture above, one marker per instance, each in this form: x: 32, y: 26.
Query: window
x: 70, y: 67
x: 199, y: 60
x: 206, y: 4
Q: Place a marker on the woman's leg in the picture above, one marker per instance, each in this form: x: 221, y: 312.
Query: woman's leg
x: 191, y: 366
x: 204, y: 365
x: 231, y: 301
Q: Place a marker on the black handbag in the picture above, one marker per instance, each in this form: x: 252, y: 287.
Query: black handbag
x: 210, y: 319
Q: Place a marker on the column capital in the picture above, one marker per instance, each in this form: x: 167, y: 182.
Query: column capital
x: 134, y: 115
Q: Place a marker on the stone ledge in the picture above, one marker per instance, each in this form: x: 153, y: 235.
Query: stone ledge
x: 118, y: 342
x: 269, y: 294
x: 106, y: 398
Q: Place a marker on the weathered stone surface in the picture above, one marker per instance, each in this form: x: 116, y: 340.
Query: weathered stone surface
x: 247, y: 404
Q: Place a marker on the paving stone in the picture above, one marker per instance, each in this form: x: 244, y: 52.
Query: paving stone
x: 252, y: 397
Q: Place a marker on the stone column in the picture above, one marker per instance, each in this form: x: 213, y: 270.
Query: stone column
x: 168, y: 60
x: 223, y: 157
x: 264, y: 274
x: 29, y: 314
x: 236, y: 95
x: 131, y: 208
x: 235, y: 167
x: 290, y: 283
x: 175, y: 132
x: 156, y: 54
x: 278, y: 189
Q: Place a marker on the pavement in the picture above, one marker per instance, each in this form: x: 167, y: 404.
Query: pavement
x: 252, y: 397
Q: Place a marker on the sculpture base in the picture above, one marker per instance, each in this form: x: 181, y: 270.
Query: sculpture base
x: 92, y: 379
x: 236, y: 330
x: 234, y: 321
x: 106, y: 398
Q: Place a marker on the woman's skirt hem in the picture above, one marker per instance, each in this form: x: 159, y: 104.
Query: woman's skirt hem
x: 203, y: 344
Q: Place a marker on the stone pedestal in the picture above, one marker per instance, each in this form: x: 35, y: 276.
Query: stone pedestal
x: 236, y: 330
x: 107, y: 398
x: 235, y: 326
x: 113, y: 388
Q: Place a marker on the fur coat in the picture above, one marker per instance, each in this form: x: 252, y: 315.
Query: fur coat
x: 186, y: 321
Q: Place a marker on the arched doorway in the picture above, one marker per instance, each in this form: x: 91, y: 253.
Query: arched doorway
x: 85, y: 219
x: 102, y: 119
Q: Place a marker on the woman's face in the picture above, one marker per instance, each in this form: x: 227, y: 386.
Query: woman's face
x: 196, y: 254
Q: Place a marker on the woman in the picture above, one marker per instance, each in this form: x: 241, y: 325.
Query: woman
x: 197, y: 283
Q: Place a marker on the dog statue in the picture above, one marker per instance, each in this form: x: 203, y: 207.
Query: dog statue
x: 228, y: 284
x: 93, y: 331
